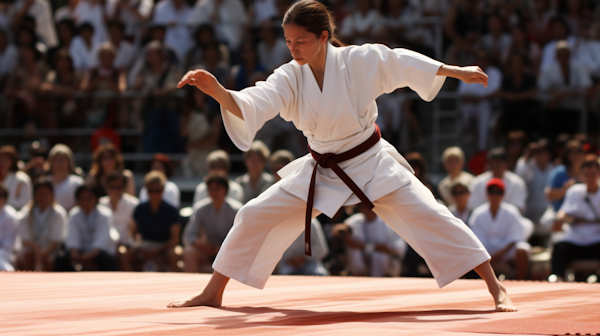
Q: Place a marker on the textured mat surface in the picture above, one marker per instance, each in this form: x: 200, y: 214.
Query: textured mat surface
x: 134, y: 303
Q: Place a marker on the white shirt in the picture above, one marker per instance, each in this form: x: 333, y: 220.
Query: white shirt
x: 122, y: 215
x: 171, y: 194
x: 575, y: 205
x: 41, y: 11
x: 495, y: 233
x: 337, y: 119
x: 8, y: 229
x: 274, y: 57
x: 549, y: 52
x: 123, y: 58
x: 179, y: 35
x: 551, y: 78
x: 96, y: 231
x: 232, y: 17
x: 19, y: 189
x: 8, y: 59
x: 235, y: 191
x: 515, y: 192
x: 375, y: 232
x: 143, y: 7
x: 357, y: 22
x: 64, y: 192
x: 264, y: 10
x: 80, y: 53
x: 478, y: 90
x: 43, y: 228
x: 92, y: 11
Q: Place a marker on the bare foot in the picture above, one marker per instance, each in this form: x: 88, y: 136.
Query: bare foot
x: 203, y: 299
x: 502, y: 301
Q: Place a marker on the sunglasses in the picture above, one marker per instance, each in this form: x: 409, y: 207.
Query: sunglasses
x: 460, y: 192
x: 155, y: 191
x: 495, y: 192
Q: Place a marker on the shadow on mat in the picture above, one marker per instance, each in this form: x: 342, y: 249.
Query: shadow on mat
x: 300, y: 317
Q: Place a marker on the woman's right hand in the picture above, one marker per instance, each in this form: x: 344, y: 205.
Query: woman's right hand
x: 203, y: 80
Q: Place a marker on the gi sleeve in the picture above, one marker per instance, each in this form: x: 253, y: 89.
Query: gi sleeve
x: 260, y: 104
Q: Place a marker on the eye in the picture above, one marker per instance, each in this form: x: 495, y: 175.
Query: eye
x: 300, y: 42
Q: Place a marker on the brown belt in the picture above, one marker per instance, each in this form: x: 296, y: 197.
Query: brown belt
x: 330, y: 160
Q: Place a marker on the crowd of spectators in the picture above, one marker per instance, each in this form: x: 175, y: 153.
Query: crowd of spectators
x: 108, y: 64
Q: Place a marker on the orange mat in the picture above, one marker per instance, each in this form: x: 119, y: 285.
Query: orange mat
x: 134, y: 303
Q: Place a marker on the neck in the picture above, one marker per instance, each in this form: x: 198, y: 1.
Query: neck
x: 88, y: 212
x: 317, y: 65
x: 461, y: 206
x: 42, y: 208
x: 254, y: 177
x: 218, y: 204
x: 114, y: 202
x: 454, y: 174
x: 494, y: 208
x: 499, y: 175
x: 154, y: 205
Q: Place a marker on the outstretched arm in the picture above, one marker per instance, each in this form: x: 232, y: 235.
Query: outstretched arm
x: 467, y: 74
x: 208, y: 84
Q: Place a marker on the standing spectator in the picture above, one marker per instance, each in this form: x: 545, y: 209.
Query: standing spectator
x: 227, y: 16
x: 61, y: 166
x: 158, y: 224
x: 42, y: 229
x: 519, y: 88
x: 581, y: 209
x: 560, y: 32
x: 8, y: 232
x: 9, y: 54
x: 176, y: 15
x: 528, y: 50
x: 15, y: 181
x: 371, y: 242
x: 565, y: 80
x: 203, y: 36
x: 515, y: 188
x: 90, y: 242
x: 453, y: 159
x: 133, y: 13
x: 501, y: 229
x: 66, y: 32
x: 82, y: 47
x: 157, y: 81
x: 106, y: 159
x: 41, y: 12
x: 534, y: 168
x: 460, y: 196
x: 256, y: 180
x: 209, y: 224
x: 516, y: 143
x: 122, y: 206
x: 496, y: 40
x: 278, y: 160
x: 272, y: 50
x: 587, y: 51
x: 171, y: 195
x: 96, y: 13
x: 218, y: 163
x: 477, y: 99
x: 124, y: 50
x: 360, y: 26
x: 295, y: 262
x: 245, y: 74
x: 563, y: 176
x: 61, y: 83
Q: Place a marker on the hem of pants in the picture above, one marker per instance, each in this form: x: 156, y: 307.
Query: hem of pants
x: 234, y: 274
x: 471, y: 264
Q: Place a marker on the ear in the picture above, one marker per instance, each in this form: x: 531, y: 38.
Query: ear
x: 324, y: 36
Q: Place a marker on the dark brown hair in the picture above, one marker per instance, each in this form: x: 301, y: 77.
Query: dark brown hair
x: 97, y: 169
x: 314, y: 17
x: 166, y: 163
x: 11, y: 152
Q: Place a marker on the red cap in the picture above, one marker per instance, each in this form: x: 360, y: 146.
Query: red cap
x: 495, y: 182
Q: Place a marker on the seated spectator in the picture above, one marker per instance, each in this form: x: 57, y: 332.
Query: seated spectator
x: 534, y: 168
x: 158, y: 224
x: 515, y: 188
x: 8, y: 232
x: 521, y: 45
x: 419, y: 165
x: 122, y: 206
x: 581, y: 209
x: 157, y: 81
x: 460, y: 197
x: 61, y: 165
x: 477, y: 99
x: 133, y: 14
x: 95, y: 12
x: 66, y: 32
x: 175, y: 14
x: 203, y: 36
x: 105, y: 78
x: 209, y: 224
x: 453, y: 159
x: 9, y: 56
x: 124, y: 50
x: 516, y: 143
x: 15, y: 181
x: 295, y: 262
x: 361, y: 25
x: 218, y: 162
x: 42, y: 229
x: 519, y: 88
x: 559, y: 31
x: 565, y: 80
x: 371, y: 243
x: 501, y: 229
x: 90, y: 242
x: 496, y: 40
x: 107, y: 159
x: 82, y: 47
x: 62, y: 82
x: 227, y: 16
x: 278, y: 160
x: 171, y: 195
x: 563, y: 176
x: 256, y: 180
x: 272, y: 50
x: 41, y: 13
x: 25, y: 35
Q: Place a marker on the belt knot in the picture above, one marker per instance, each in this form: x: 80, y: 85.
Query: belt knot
x: 324, y: 158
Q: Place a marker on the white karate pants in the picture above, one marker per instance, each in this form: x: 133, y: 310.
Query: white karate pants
x: 266, y: 226
x: 482, y: 111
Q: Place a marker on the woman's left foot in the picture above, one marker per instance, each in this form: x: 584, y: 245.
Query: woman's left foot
x: 502, y: 301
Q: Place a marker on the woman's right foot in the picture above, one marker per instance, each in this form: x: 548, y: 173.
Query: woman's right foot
x: 502, y: 301
x: 202, y: 299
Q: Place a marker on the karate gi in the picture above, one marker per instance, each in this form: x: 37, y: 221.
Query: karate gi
x: 335, y: 120
x: 497, y: 232
x: 8, y: 237
x: 373, y: 232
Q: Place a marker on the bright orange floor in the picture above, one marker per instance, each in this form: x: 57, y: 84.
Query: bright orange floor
x: 134, y: 303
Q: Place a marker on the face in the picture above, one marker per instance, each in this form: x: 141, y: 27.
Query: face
x: 106, y: 58
x: 498, y: 167
x: 60, y: 163
x: 518, y: 36
x: 575, y: 154
x: 115, y: 189
x: 205, y: 36
x: 216, y: 192
x: 65, y: 33
x: 108, y: 162
x: 115, y: 33
x: 254, y: 163
x: 453, y: 164
x: 154, y: 57
x: 158, y: 34
x: 211, y: 55
x: 25, y: 38
x: 43, y: 197
x: 542, y: 157
x: 87, y: 34
x: 515, y: 148
x: 155, y: 192
x: 460, y: 194
x: 27, y: 55
x: 5, y: 163
x: 87, y: 201
x: 590, y: 176
x: 495, y: 194
x: 559, y: 31
x: 63, y: 64
x: 303, y: 45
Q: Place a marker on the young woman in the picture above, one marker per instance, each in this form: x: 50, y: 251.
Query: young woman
x: 329, y: 93
x: 107, y: 159
x: 61, y: 165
